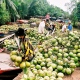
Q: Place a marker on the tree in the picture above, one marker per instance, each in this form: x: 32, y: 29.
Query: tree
x: 78, y: 11
x: 4, y: 14
x: 11, y: 7
x: 22, y: 7
x: 70, y: 6
x: 73, y: 16
x: 73, y: 8
x: 38, y: 7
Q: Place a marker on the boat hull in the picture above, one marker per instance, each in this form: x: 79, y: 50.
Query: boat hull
x: 9, y: 74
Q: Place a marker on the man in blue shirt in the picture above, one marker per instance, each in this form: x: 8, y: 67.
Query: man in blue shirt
x: 70, y: 26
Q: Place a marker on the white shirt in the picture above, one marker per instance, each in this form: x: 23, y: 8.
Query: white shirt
x: 41, y: 27
x: 63, y: 28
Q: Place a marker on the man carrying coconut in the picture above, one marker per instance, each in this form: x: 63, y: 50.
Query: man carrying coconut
x: 24, y: 45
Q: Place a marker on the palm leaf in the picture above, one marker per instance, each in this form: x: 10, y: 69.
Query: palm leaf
x: 13, y: 7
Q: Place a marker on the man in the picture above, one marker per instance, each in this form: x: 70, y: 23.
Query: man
x: 64, y: 27
x: 41, y: 26
x: 47, y: 17
x: 51, y: 29
x: 24, y: 45
x: 69, y: 26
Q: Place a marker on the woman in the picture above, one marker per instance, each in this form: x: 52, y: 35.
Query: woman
x: 24, y: 45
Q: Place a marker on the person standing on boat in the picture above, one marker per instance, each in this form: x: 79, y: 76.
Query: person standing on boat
x: 24, y: 45
x: 47, y: 18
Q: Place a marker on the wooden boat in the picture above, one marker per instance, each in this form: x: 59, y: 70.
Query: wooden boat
x: 7, y: 69
x: 1, y: 35
x: 22, y: 21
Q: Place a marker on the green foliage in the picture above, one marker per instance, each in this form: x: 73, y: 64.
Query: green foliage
x: 4, y: 16
x: 58, y: 12
x: 11, y: 7
x: 22, y: 7
x: 73, y: 16
x: 38, y: 7
x: 51, y: 10
x: 42, y: 7
x: 78, y: 11
x: 3, y: 5
x: 77, y: 25
x: 27, y: 8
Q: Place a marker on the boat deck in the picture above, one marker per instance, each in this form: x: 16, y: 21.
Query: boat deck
x: 7, y: 68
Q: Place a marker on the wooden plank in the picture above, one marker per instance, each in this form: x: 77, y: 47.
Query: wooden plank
x: 2, y: 39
